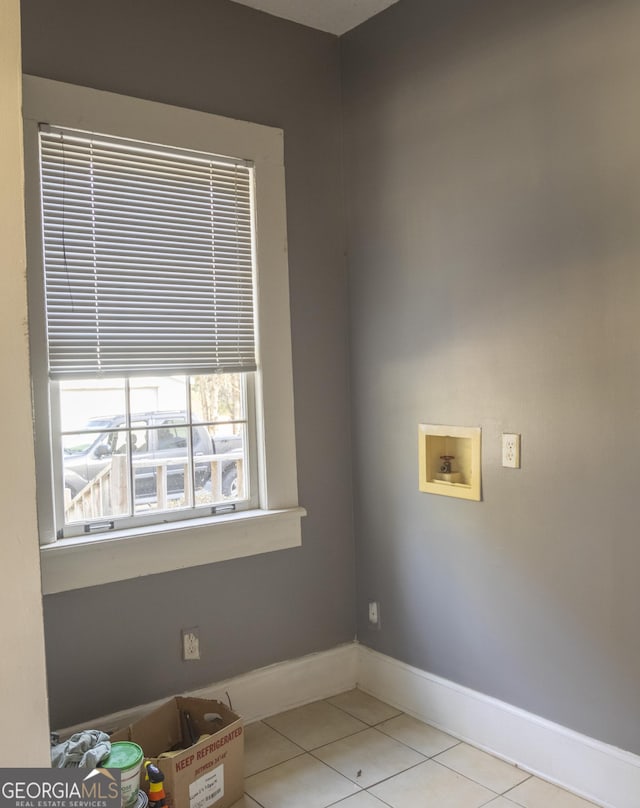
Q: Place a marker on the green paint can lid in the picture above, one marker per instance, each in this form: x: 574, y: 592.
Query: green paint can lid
x: 124, y: 755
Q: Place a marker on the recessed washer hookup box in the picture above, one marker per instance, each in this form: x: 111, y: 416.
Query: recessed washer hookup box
x: 208, y: 773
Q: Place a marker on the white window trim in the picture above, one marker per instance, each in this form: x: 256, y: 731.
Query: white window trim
x: 275, y: 525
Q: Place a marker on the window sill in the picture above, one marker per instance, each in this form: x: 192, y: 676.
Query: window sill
x: 125, y: 554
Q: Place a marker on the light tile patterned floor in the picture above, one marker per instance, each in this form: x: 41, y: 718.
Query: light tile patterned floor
x: 353, y: 751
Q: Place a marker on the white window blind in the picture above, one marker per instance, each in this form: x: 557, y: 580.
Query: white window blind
x: 148, y: 255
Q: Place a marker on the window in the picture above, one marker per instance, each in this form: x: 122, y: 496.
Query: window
x: 148, y: 268
x: 159, y: 330
x: 164, y: 448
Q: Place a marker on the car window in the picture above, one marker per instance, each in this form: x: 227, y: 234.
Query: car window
x: 172, y: 437
x: 139, y: 437
x: 116, y: 441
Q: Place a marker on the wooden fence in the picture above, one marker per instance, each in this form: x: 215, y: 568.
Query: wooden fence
x: 107, y: 494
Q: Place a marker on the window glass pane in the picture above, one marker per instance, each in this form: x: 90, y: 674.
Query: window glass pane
x: 96, y: 475
x: 217, y: 397
x: 223, y: 472
x: 158, y: 394
x: 91, y: 403
x: 172, y: 437
x: 159, y: 473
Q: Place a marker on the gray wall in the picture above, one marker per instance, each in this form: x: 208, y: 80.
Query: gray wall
x: 494, y: 193
x: 494, y: 245
x: 113, y: 646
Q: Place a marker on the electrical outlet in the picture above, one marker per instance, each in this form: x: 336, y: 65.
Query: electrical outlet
x: 374, y: 613
x: 511, y: 451
x: 190, y: 643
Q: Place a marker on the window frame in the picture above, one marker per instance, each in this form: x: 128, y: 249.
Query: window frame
x: 275, y: 524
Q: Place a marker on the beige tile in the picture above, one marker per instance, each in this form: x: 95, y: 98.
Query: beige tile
x: 364, y: 707
x: 429, y: 785
x: 427, y: 740
x: 302, y: 782
x: 245, y: 802
x: 361, y: 800
x: 500, y: 802
x: 535, y: 793
x: 264, y: 747
x: 483, y: 768
x: 368, y: 757
x: 315, y: 724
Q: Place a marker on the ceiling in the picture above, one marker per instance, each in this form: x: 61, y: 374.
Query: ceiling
x: 334, y: 16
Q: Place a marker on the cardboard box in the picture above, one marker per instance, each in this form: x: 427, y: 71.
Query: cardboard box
x: 207, y: 774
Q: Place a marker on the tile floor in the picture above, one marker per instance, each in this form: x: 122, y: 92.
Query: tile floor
x: 353, y: 751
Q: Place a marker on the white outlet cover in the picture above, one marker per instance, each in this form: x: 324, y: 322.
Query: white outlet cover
x: 510, y: 450
x: 190, y: 644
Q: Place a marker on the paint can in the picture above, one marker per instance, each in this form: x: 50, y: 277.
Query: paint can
x: 142, y: 801
x: 127, y: 757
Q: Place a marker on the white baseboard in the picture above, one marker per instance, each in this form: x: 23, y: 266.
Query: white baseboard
x: 262, y: 692
x: 285, y: 685
x: 590, y: 768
